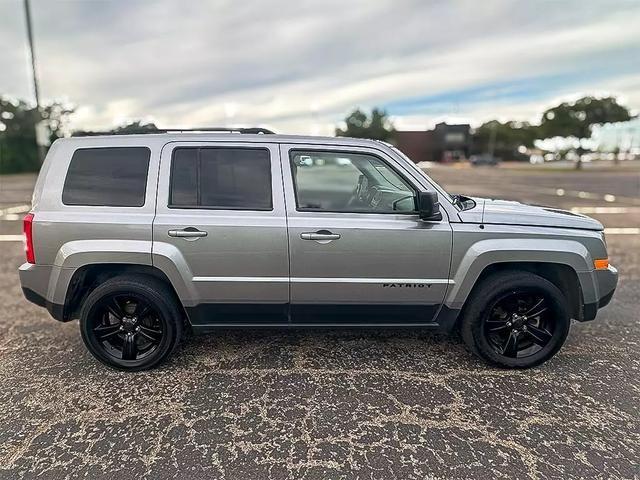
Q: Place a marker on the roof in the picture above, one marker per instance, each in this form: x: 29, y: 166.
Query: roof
x: 148, y: 138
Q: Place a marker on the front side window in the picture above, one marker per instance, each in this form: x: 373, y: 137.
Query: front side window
x: 348, y: 182
x: 221, y: 178
x: 112, y: 177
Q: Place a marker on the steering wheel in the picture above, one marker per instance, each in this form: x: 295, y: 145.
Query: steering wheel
x: 359, y: 192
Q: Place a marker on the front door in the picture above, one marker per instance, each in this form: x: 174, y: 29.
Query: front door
x: 359, y: 252
x: 220, y: 231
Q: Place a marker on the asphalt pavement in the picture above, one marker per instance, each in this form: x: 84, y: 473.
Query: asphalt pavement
x: 333, y: 404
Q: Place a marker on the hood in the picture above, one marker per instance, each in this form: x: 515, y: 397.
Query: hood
x: 515, y: 213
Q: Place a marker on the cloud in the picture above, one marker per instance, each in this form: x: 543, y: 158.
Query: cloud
x: 300, y: 66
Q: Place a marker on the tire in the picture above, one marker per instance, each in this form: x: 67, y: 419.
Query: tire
x: 131, y: 322
x: 498, y: 319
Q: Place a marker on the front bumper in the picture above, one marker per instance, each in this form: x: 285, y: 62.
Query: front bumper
x: 606, y: 282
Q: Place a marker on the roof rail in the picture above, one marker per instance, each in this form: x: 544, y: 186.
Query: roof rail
x: 251, y: 130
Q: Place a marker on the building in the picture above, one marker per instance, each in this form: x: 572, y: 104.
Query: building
x: 445, y: 143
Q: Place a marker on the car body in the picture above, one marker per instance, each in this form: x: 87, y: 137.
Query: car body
x: 255, y: 230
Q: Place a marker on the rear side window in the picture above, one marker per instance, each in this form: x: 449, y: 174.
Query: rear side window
x: 113, y: 177
x: 221, y: 178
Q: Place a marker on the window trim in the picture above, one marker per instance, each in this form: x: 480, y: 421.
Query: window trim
x: 217, y: 208
x: 106, y: 147
x: 292, y: 151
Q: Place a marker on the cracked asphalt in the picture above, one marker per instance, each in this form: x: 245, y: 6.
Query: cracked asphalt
x: 329, y: 404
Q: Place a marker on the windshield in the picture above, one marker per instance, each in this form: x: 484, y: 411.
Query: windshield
x: 422, y: 173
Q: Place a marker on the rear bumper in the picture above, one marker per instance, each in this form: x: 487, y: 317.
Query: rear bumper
x: 34, y: 280
x: 54, y: 309
x: 606, y: 283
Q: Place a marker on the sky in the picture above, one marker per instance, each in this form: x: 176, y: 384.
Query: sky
x: 300, y: 66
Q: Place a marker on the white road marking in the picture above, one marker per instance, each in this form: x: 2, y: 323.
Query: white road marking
x: 603, y: 209
x: 17, y: 209
x: 622, y: 231
x: 14, y: 213
x: 607, y: 197
x: 11, y: 238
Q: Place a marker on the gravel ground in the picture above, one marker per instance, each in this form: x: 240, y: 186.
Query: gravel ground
x: 321, y: 404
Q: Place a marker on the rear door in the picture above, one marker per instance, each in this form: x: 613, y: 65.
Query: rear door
x: 359, y: 252
x: 220, y: 228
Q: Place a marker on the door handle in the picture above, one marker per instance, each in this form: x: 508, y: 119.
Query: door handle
x: 320, y: 235
x: 189, y: 232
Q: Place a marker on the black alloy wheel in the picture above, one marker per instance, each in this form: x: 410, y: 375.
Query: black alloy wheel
x: 520, y: 324
x: 131, y: 322
x: 126, y: 326
x: 515, y: 319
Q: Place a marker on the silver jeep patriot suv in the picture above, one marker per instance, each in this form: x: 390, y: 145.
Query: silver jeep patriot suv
x: 144, y: 237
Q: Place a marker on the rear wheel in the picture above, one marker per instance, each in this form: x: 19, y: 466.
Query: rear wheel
x: 131, y: 323
x: 515, y: 320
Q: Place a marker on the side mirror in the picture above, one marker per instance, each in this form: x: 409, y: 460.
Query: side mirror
x: 429, y: 206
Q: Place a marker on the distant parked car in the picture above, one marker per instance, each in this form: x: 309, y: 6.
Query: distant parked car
x: 485, y: 159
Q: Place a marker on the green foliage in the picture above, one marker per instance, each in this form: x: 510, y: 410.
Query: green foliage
x: 575, y: 119
x: 564, y: 120
x: 360, y: 125
x: 18, y: 150
x: 506, y: 138
x: 128, y: 129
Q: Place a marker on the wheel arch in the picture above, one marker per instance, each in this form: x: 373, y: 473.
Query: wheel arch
x: 565, y: 262
x: 87, y: 277
x: 561, y: 275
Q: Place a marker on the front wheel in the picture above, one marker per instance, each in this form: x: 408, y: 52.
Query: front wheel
x: 131, y: 323
x: 515, y: 320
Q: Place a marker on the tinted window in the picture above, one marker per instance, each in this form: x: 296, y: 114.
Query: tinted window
x: 115, y: 177
x: 348, y: 182
x: 223, y: 178
x: 184, y: 177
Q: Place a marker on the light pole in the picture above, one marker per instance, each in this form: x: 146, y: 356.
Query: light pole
x: 40, y: 129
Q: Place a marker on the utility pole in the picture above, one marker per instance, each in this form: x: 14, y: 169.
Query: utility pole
x: 40, y: 128
x: 492, y: 139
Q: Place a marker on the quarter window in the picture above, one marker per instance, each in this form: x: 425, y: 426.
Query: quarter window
x: 348, y: 182
x: 221, y: 178
x: 114, y: 177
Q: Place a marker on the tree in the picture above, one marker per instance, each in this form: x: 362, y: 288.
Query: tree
x: 56, y: 115
x: 576, y: 118
x: 360, y: 125
x: 503, y: 139
x: 18, y: 150
x: 128, y: 129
